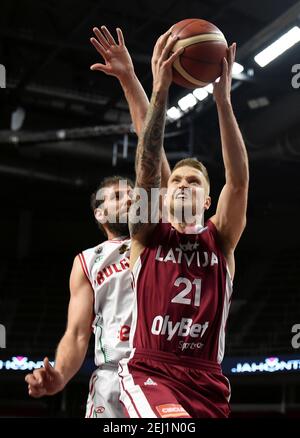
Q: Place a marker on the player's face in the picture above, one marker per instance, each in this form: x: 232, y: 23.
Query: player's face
x: 187, y: 193
x: 117, y: 202
x: 113, y: 212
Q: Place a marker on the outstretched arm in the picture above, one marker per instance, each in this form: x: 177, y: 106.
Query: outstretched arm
x: 230, y: 217
x: 118, y: 63
x: 150, y: 144
x: 73, y: 346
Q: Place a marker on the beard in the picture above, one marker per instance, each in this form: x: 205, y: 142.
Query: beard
x: 119, y: 225
x: 118, y: 229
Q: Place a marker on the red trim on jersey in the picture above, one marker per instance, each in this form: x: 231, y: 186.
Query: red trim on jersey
x: 80, y: 256
x: 84, y: 267
x: 85, y: 270
x: 92, y: 395
x: 91, y: 410
x: 124, y: 409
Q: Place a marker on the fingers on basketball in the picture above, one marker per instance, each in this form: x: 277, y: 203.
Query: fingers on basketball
x: 175, y: 55
x: 161, y: 42
x: 165, y: 55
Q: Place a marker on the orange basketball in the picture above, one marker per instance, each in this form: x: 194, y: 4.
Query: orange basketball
x: 204, y: 49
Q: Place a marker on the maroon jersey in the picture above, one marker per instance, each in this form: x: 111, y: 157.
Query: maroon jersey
x: 183, y: 291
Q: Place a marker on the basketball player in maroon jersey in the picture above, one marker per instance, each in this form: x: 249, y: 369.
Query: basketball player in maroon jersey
x: 183, y: 268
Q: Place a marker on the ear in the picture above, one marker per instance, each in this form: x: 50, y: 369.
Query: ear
x: 99, y: 214
x: 207, y: 203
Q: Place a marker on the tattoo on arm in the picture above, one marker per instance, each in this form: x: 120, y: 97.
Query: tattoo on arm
x: 149, y: 151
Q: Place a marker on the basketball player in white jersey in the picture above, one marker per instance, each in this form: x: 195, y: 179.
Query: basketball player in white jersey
x: 100, y: 285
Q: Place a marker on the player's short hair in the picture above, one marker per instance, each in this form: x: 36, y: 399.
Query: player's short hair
x: 106, y: 182
x: 193, y: 162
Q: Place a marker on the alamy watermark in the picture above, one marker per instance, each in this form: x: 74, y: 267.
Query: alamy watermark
x: 296, y: 77
x: 178, y: 205
x: 2, y: 336
x: 296, y: 338
x: 2, y: 76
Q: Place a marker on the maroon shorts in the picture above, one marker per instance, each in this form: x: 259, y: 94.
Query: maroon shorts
x: 161, y: 385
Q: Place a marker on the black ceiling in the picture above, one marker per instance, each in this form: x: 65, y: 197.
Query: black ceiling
x: 45, y: 48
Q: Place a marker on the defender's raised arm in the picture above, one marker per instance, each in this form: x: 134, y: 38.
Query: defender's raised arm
x: 118, y: 63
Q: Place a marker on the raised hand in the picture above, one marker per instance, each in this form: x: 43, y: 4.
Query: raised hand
x: 162, y: 60
x: 116, y: 56
x: 222, y: 88
x: 44, y: 381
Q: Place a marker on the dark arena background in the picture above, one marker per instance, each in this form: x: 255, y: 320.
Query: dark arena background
x: 64, y: 127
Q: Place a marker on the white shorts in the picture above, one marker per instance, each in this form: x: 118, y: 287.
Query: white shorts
x: 103, y: 400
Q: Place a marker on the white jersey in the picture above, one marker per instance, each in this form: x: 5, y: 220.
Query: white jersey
x: 107, y: 268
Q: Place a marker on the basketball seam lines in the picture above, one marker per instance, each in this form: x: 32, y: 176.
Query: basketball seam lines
x: 177, y: 65
x: 188, y: 24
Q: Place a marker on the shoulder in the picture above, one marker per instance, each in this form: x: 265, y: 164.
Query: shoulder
x: 79, y: 273
x: 215, y: 233
x: 211, y: 226
x: 84, y: 260
x: 227, y: 252
x: 93, y: 249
